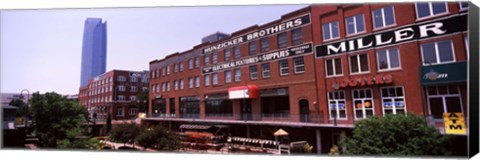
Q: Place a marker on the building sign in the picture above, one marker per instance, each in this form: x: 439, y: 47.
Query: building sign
x: 454, y: 123
x: 279, y: 54
x: 363, y: 81
x: 249, y: 91
x: 297, y: 22
x: 413, y: 32
x: 444, y: 73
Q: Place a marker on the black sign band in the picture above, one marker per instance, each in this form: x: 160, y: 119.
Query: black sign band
x: 282, y: 53
x: 414, y: 32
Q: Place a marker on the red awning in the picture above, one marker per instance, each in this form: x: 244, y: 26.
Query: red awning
x: 241, y: 92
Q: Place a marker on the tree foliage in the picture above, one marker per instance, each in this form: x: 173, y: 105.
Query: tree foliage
x: 159, y: 138
x: 58, y: 122
x: 22, y: 107
x: 124, y: 133
x: 143, y: 101
x: 398, y: 135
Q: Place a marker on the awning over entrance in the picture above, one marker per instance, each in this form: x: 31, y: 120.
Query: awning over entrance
x: 444, y: 73
x: 241, y: 92
x: 193, y: 126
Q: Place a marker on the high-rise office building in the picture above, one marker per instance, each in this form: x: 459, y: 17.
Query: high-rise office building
x: 94, y: 49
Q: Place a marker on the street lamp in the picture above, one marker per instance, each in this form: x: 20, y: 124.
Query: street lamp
x: 26, y: 112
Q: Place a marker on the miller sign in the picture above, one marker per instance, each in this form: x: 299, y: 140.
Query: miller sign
x: 413, y: 32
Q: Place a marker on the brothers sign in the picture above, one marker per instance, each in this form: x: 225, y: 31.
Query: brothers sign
x: 413, y: 32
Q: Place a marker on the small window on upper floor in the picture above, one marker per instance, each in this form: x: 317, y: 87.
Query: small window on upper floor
x: 331, y: 31
x: 428, y: 9
x: 355, y: 24
x: 383, y: 17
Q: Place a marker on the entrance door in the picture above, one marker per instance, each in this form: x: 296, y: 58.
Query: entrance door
x: 246, y: 109
x: 303, y: 104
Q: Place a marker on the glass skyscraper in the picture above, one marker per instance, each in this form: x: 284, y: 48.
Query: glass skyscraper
x: 94, y: 49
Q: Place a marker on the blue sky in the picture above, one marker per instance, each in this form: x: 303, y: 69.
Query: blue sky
x: 41, y: 49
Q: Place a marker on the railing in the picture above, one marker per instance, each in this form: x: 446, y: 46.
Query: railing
x: 305, y: 118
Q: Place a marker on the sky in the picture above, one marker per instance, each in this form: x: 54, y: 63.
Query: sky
x: 41, y: 48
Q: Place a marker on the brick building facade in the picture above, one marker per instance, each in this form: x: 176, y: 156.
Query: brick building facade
x: 317, y: 70
x: 114, y: 92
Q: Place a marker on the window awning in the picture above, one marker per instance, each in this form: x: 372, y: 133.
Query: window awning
x: 241, y: 92
x: 194, y: 126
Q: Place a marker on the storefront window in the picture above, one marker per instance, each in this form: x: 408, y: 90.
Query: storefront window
x: 172, y: 107
x: 159, y: 107
x: 393, y: 100
x: 363, y: 103
x: 218, y: 107
x: 444, y: 99
x: 189, y: 107
x: 388, y: 59
x: 336, y: 105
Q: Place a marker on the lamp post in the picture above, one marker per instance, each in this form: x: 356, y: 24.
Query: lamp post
x: 26, y: 112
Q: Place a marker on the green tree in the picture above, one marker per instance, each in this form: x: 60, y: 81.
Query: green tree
x: 22, y: 107
x: 124, y: 133
x: 143, y: 101
x: 397, y: 135
x: 58, y: 122
x: 160, y: 138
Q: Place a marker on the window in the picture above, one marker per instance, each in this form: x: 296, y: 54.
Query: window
x: 168, y: 86
x: 121, y: 88
x: 297, y: 36
x: 133, y: 79
x: 444, y: 99
x: 228, y: 76
x: 336, y: 105
x: 227, y: 54
x: 164, y: 87
x: 133, y: 111
x: 265, y: 70
x: 330, y: 31
x: 190, y: 82
x: 120, y: 112
x: 206, y: 79
x: 437, y: 52
x: 463, y: 5
x: 393, y: 100
x: 168, y: 69
x: 206, y: 59
x: 133, y: 98
x: 359, y: 63
x: 299, y: 65
x: 181, y: 84
x: 175, y: 68
x: 236, y: 52
x: 264, y: 44
x: 214, y: 57
x: 334, y: 67
x: 190, y: 63
x: 144, y: 88
x: 283, y: 65
x: 388, y: 59
x: 197, y: 62
x: 355, y: 24
x: 363, y: 103
x: 282, y: 40
x: 238, y: 75
x: 197, y: 81
x: 121, y: 98
x: 427, y: 9
x: 383, y: 17
x: 181, y: 66
x: 215, y: 78
x: 163, y: 71
x: 253, y: 72
x: 133, y: 89
x: 175, y: 85
x: 252, y: 48
x: 121, y: 78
